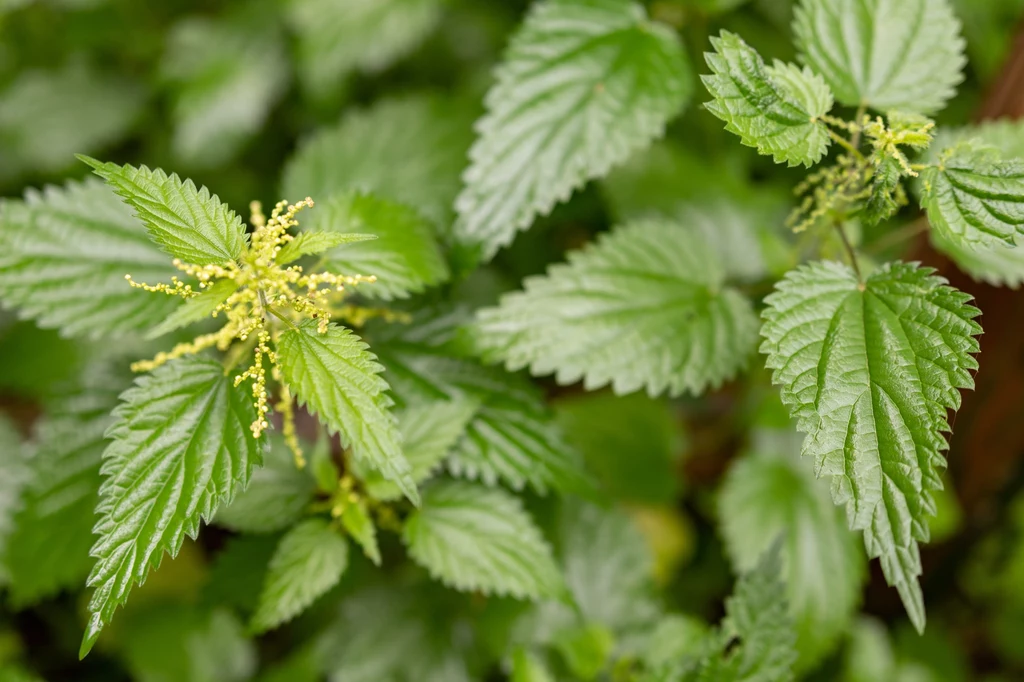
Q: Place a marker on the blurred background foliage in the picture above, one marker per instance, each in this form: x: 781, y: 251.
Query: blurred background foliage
x: 381, y: 95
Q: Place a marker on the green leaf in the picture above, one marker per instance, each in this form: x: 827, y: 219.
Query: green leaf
x: 999, y: 265
x: 776, y: 109
x: 581, y: 86
x: 480, y: 539
x: 772, y: 493
x: 313, y: 242
x: 180, y: 448
x: 644, y: 307
x: 973, y: 198
x: 881, y: 204
x: 869, y: 372
x: 197, y: 308
x: 15, y: 474
x: 366, y: 35
x: 188, y: 223
x: 528, y: 668
x: 405, y: 258
x: 339, y: 379
x: 429, y: 432
x: 886, y: 54
x: 410, y: 149
x: 585, y: 650
x: 225, y: 76
x: 358, y: 524
x: 238, y: 571
x: 308, y: 562
x: 64, y: 253
x: 1006, y: 135
x: 276, y: 497
x: 512, y: 437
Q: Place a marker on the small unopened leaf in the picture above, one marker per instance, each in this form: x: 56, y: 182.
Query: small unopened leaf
x: 357, y: 522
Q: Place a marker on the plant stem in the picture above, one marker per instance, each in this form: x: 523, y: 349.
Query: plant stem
x: 896, y: 236
x: 861, y: 110
x: 850, y: 252
x: 281, y: 317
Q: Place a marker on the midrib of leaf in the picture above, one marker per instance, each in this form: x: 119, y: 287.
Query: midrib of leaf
x: 158, y: 208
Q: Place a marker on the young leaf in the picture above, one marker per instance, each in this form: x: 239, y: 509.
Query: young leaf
x: 869, y: 371
x: 358, y: 524
x: 180, y: 448
x: 368, y: 35
x: 644, y: 307
x: 276, y: 497
x: 528, y: 668
x: 188, y: 223
x: 973, y: 198
x: 405, y: 258
x: 886, y: 54
x: 64, y: 253
x: 308, y: 562
x: 769, y: 494
x: 339, y: 379
x: 410, y: 149
x: 197, y: 308
x: 582, y: 86
x: 313, y: 242
x: 776, y: 109
x: 480, y: 539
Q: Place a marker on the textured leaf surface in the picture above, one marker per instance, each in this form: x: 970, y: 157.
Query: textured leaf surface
x: 771, y: 494
x: 276, y: 497
x: 309, y: 561
x: 404, y: 257
x: 180, y: 448
x: 189, y: 223
x: 974, y: 199
x: 869, y: 372
x: 999, y: 265
x: 358, y: 524
x: 645, y: 307
x: 312, y: 242
x: 480, y: 539
x: 410, y: 149
x: 197, y: 308
x: 887, y: 54
x: 64, y: 253
x: 339, y: 379
x: 582, y: 85
x: 368, y: 35
x: 776, y: 109
x: 15, y: 474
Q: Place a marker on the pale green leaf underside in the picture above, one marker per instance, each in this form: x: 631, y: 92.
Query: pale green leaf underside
x: 309, y: 561
x: 480, y: 539
x: 1006, y: 135
x: 869, y: 372
x: 188, y: 223
x: 312, y: 242
x: 339, y: 379
x: 775, y: 109
x: 770, y: 494
x: 195, y: 309
x: 64, y: 253
x: 15, y: 475
x: 405, y: 258
x: 181, y: 447
x: 410, y: 149
x: 582, y: 85
x: 999, y: 265
x: 888, y: 54
x: 974, y: 199
x: 644, y: 307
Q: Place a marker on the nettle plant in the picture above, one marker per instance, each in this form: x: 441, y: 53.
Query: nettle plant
x: 449, y: 452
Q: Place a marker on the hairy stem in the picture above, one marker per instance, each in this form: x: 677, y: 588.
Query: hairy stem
x: 850, y: 252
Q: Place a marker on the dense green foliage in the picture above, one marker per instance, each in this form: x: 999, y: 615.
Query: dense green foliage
x: 586, y: 340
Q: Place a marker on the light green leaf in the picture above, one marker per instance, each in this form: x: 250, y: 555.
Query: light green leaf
x: 367, y: 35
x: 15, y: 475
x: 512, y: 437
x: 776, y: 109
x: 313, y: 242
x: 48, y: 116
x: 225, y: 79
x: 644, y: 307
x: 771, y: 493
x: 276, y: 497
x: 188, y: 223
x: 309, y: 561
x: 404, y: 258
x: 999, y: 265
x: 474, y: 538
x: 410, y: 149
x: 64, y: 253
x: 869, y: 372
x: 886, y: 54
x: 358, y: 524
x: 180, y: 448
x: 429, y: 432
x: 1006, y: 135
x: 581, y: 86
x: 973, y: 198
x: 339, y: 379
x: 528, y: 668
x: 197, y: 308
